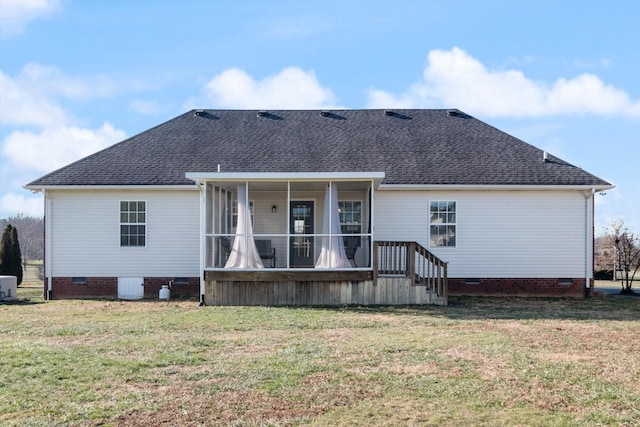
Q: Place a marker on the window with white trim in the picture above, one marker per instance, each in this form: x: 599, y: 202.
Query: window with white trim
x: 350, y: 216
x: 133, y: 223
x: 442, y: 223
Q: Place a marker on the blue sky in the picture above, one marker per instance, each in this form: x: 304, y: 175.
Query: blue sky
x: 78, y: 76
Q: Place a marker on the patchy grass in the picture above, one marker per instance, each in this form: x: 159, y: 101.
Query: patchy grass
x: 31, y: 291
x: 32, y: 273
x: 493, y: 362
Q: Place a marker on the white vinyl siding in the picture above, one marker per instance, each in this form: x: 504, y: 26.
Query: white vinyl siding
x: 515, y: 234
x: 85, y: 234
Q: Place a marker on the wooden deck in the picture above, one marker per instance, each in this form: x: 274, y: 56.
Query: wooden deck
x: 292, y: 292
x: 404, y: 273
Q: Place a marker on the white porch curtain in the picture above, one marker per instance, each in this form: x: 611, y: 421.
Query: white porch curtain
x: 332, y: 254
x: 244, y: 253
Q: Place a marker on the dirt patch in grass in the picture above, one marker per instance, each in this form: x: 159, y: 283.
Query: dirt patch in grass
x: 318, y: 394
x: 246, y: 408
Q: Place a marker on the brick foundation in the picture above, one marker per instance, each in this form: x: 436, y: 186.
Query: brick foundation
x: 588, y: 292
x: 107, y: 287
x: 93, y: 287
x: 152, y: 287
x: 527, y: 287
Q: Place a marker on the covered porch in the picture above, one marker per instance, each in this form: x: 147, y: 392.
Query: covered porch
x: 301, y: 239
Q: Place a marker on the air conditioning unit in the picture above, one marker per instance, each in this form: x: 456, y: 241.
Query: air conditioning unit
x: 8, y: 287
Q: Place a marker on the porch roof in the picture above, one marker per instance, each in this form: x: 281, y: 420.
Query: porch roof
x: 200, y: 177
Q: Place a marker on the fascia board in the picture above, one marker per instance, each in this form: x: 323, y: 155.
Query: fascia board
x: 494, y: 187
x: 38, y: 188
x: 377, y: 177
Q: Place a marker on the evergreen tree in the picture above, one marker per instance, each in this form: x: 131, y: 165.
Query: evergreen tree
x: 10, y: 257
x: 5, y: 247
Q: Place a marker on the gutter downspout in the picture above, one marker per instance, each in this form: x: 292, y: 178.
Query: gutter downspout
x: 589, y: 232
x: 47, y: 244
x: 203, y: 198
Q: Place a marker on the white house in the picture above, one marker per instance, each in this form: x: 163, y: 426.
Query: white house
x: 319, y: 207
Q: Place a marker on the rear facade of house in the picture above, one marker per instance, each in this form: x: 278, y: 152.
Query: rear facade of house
x: 429, y: 203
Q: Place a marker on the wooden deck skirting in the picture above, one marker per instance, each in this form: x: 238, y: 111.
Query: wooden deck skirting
x: 386, y: 291
x: 404, y: 273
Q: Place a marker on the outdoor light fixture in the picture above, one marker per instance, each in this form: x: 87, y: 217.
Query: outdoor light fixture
x: 274, y: 208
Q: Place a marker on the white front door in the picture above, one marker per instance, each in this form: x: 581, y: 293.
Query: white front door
x: 130, y: 287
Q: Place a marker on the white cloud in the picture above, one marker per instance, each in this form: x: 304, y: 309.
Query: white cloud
x: 292, y: 88
x: 454, y: 79
x: 21, y: 105
x: 16, y: 14
x: 56, y: 147
x: 50, y: 80
x: 34, y: 96
x: 12, y: 204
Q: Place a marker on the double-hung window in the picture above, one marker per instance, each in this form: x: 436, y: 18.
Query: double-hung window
x: 442, y: 223
x: 350, y: 216
x: 133, y: 223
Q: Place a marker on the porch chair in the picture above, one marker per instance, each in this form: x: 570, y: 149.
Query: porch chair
x: 266, y: 251
x: 225, y: 246
x: 352, y: 245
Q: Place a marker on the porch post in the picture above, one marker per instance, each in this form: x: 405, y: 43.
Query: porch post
x: 374, y: 263
x: 203, y: 237
x: 411, y: 260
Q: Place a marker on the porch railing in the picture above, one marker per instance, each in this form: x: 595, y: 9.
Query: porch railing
x: 410, y: 259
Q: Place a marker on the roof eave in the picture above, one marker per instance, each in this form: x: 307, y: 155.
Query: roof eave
x: 40, y: 188
x: 200, y: 177
x: 493, y: 187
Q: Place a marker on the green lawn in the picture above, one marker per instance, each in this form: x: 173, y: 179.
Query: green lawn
x: 504, y: 362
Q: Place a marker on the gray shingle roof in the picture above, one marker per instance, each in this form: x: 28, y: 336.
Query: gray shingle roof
x: 410, y: 146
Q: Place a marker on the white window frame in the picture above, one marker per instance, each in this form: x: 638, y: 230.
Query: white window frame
x: 135, y: 223
x: 450, y: 220
x: 340, y: 207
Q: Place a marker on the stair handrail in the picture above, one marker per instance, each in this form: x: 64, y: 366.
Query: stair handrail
x: 426, y: 269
